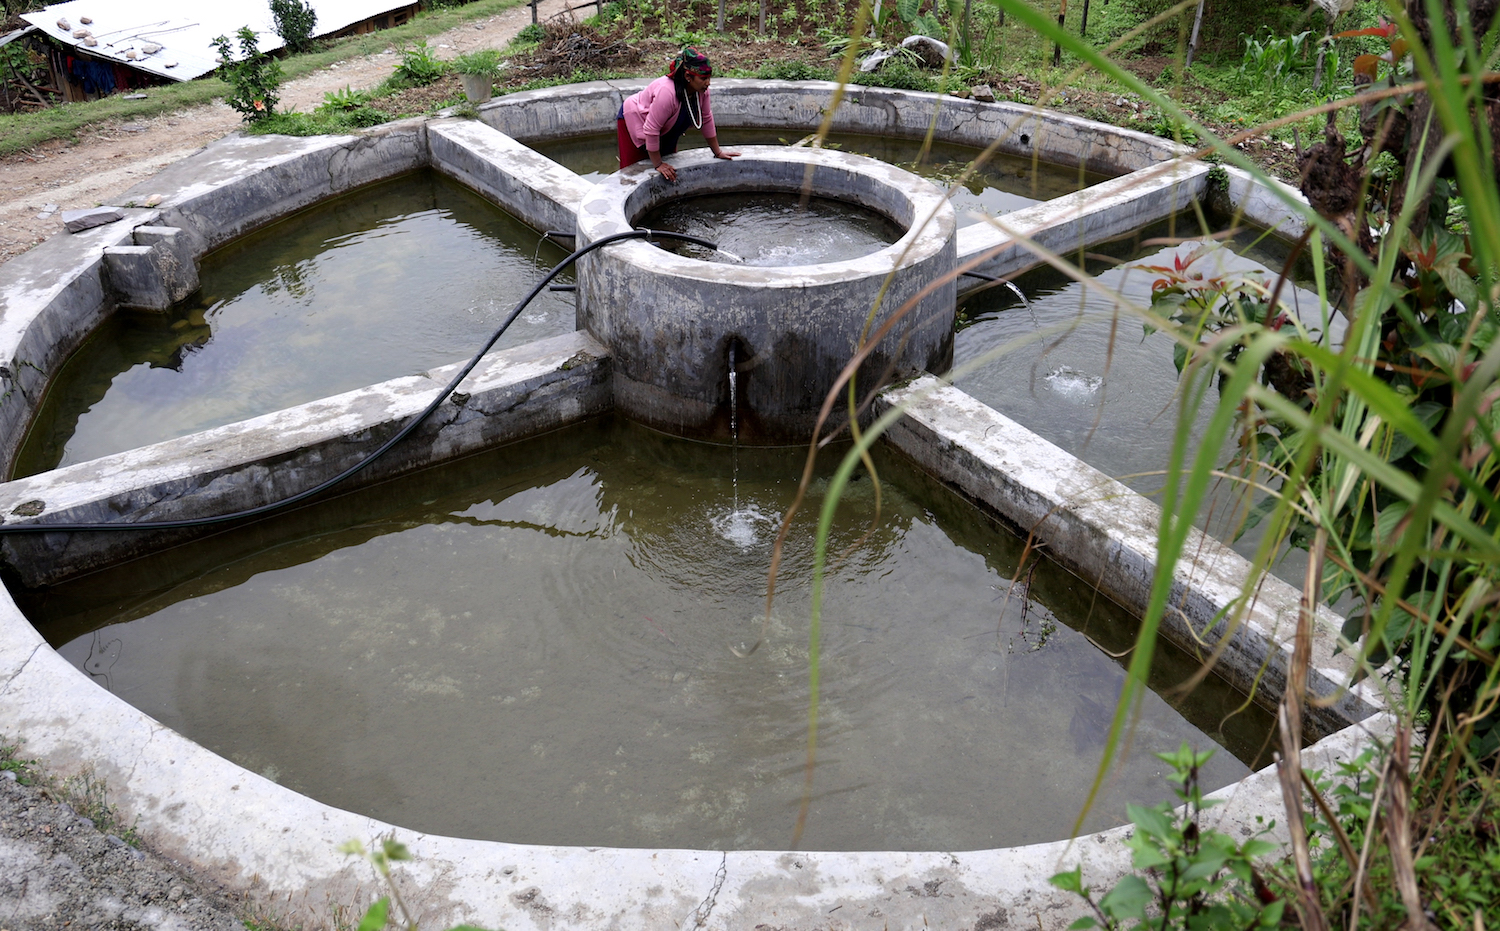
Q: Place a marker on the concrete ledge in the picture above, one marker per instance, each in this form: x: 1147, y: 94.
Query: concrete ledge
x: 51, y: 298
x: 1101, y: 530
x: 1081, y: 219
x: 1268, y: 204
x: 520, y: 392
x: 799, y: 106
x: 531, y: 187
x: 241, y: 183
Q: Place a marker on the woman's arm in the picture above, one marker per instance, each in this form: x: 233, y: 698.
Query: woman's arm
x: 713, y: 144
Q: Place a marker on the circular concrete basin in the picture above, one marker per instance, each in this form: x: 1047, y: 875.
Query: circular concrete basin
x: 673, y: 320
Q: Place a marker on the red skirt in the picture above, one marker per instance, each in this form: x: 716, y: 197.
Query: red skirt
x: 630, y: 153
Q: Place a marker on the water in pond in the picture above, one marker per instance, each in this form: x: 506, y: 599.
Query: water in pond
x: 1077, y: 368
x: 391, y: 280
x: 535, y: 645
x: 1004, y: 184
x: 769, y: 229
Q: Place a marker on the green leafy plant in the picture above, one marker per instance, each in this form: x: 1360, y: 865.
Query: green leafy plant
x: 419, y: 65
x: 1188, y: 876
x: 1272, y: 59
x: 88, y: 794
x: 381, y: 858
x: 295, y: 22
x: 344, y: 100
x: 897, y: 73
x: 484, y: 63
x: 536, y: 32
x: 12, y: 762
x: 254, y: 80
x: 793, y: 71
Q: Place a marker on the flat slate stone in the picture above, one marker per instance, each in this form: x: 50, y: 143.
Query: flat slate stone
x: 76, y: 221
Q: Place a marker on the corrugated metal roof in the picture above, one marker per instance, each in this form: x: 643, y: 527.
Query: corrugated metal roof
x: 181, y: 32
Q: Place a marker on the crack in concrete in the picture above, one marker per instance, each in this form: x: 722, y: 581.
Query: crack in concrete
x: 700, y: 915
x: 134, y: 764
x: 5, y: 686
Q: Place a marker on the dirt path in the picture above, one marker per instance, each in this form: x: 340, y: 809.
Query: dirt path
x: 37, y: 186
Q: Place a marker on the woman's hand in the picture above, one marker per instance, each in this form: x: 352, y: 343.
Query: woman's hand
x: 668, y: 172
x: 720, y: 153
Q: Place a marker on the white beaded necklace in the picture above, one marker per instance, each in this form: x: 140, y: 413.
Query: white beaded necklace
x: 698, y: 118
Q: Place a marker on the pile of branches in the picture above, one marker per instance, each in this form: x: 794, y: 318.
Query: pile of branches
x: 571, y: 47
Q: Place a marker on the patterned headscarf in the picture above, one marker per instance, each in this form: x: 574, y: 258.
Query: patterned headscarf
x: 690, y: 61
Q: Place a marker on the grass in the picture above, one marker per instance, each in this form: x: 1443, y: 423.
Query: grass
x: 20, y: 132
x: 12, y: 762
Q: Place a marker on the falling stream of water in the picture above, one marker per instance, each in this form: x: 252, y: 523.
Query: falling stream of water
x: 734, y: 425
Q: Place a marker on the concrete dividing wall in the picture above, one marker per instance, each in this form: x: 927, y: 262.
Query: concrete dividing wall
x: 1103, y: 531
x: 518, y: 393
x: 533, y: 188
x: 1006, y: 246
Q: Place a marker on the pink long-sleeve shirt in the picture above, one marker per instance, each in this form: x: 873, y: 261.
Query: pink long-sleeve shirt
x: 653, y: 111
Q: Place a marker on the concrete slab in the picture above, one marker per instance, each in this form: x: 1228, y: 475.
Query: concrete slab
x: 1105, y: 532
x: 520, y: 392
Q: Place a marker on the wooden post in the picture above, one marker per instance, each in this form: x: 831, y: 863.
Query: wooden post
x: 721, y: 16
x: 1083, y: 29
x: 1193, y: 42
x: 761, y: 30
x: 1062, y: 14
x: 533, y: 6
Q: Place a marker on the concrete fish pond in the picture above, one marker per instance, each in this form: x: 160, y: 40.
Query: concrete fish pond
x: 557, y: 621
x: 400, y: 276
x: 246, y: 830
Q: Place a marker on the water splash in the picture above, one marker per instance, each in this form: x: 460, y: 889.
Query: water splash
x: 746, y: 527
x: 1073, y: 384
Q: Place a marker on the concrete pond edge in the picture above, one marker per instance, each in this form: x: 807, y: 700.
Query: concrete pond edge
x: 250, y: 834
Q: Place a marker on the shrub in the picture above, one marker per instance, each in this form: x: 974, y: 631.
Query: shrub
x: 344, y: 100
x: 536, y: 33
x: 254, y: 80
x: 485, y: 63
x: 793, y: 71
x: 419, y: 66
x: 897, y: 74
x: 295, y: 21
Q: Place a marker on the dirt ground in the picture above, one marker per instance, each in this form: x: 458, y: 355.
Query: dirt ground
x: 38, y: 185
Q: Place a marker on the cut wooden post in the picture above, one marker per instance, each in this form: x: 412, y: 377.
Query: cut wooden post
x: 1193, y: 42
x: 1062, y: 15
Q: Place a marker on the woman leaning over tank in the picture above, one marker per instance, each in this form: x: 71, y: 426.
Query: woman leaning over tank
x: 651, y: 122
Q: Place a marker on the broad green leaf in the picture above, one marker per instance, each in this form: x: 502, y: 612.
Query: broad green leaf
x: 1069, y: 881
x: 1151, y: 821
x: 1083, y: 924
x: 376, y: 916
x: 1128, y: 899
